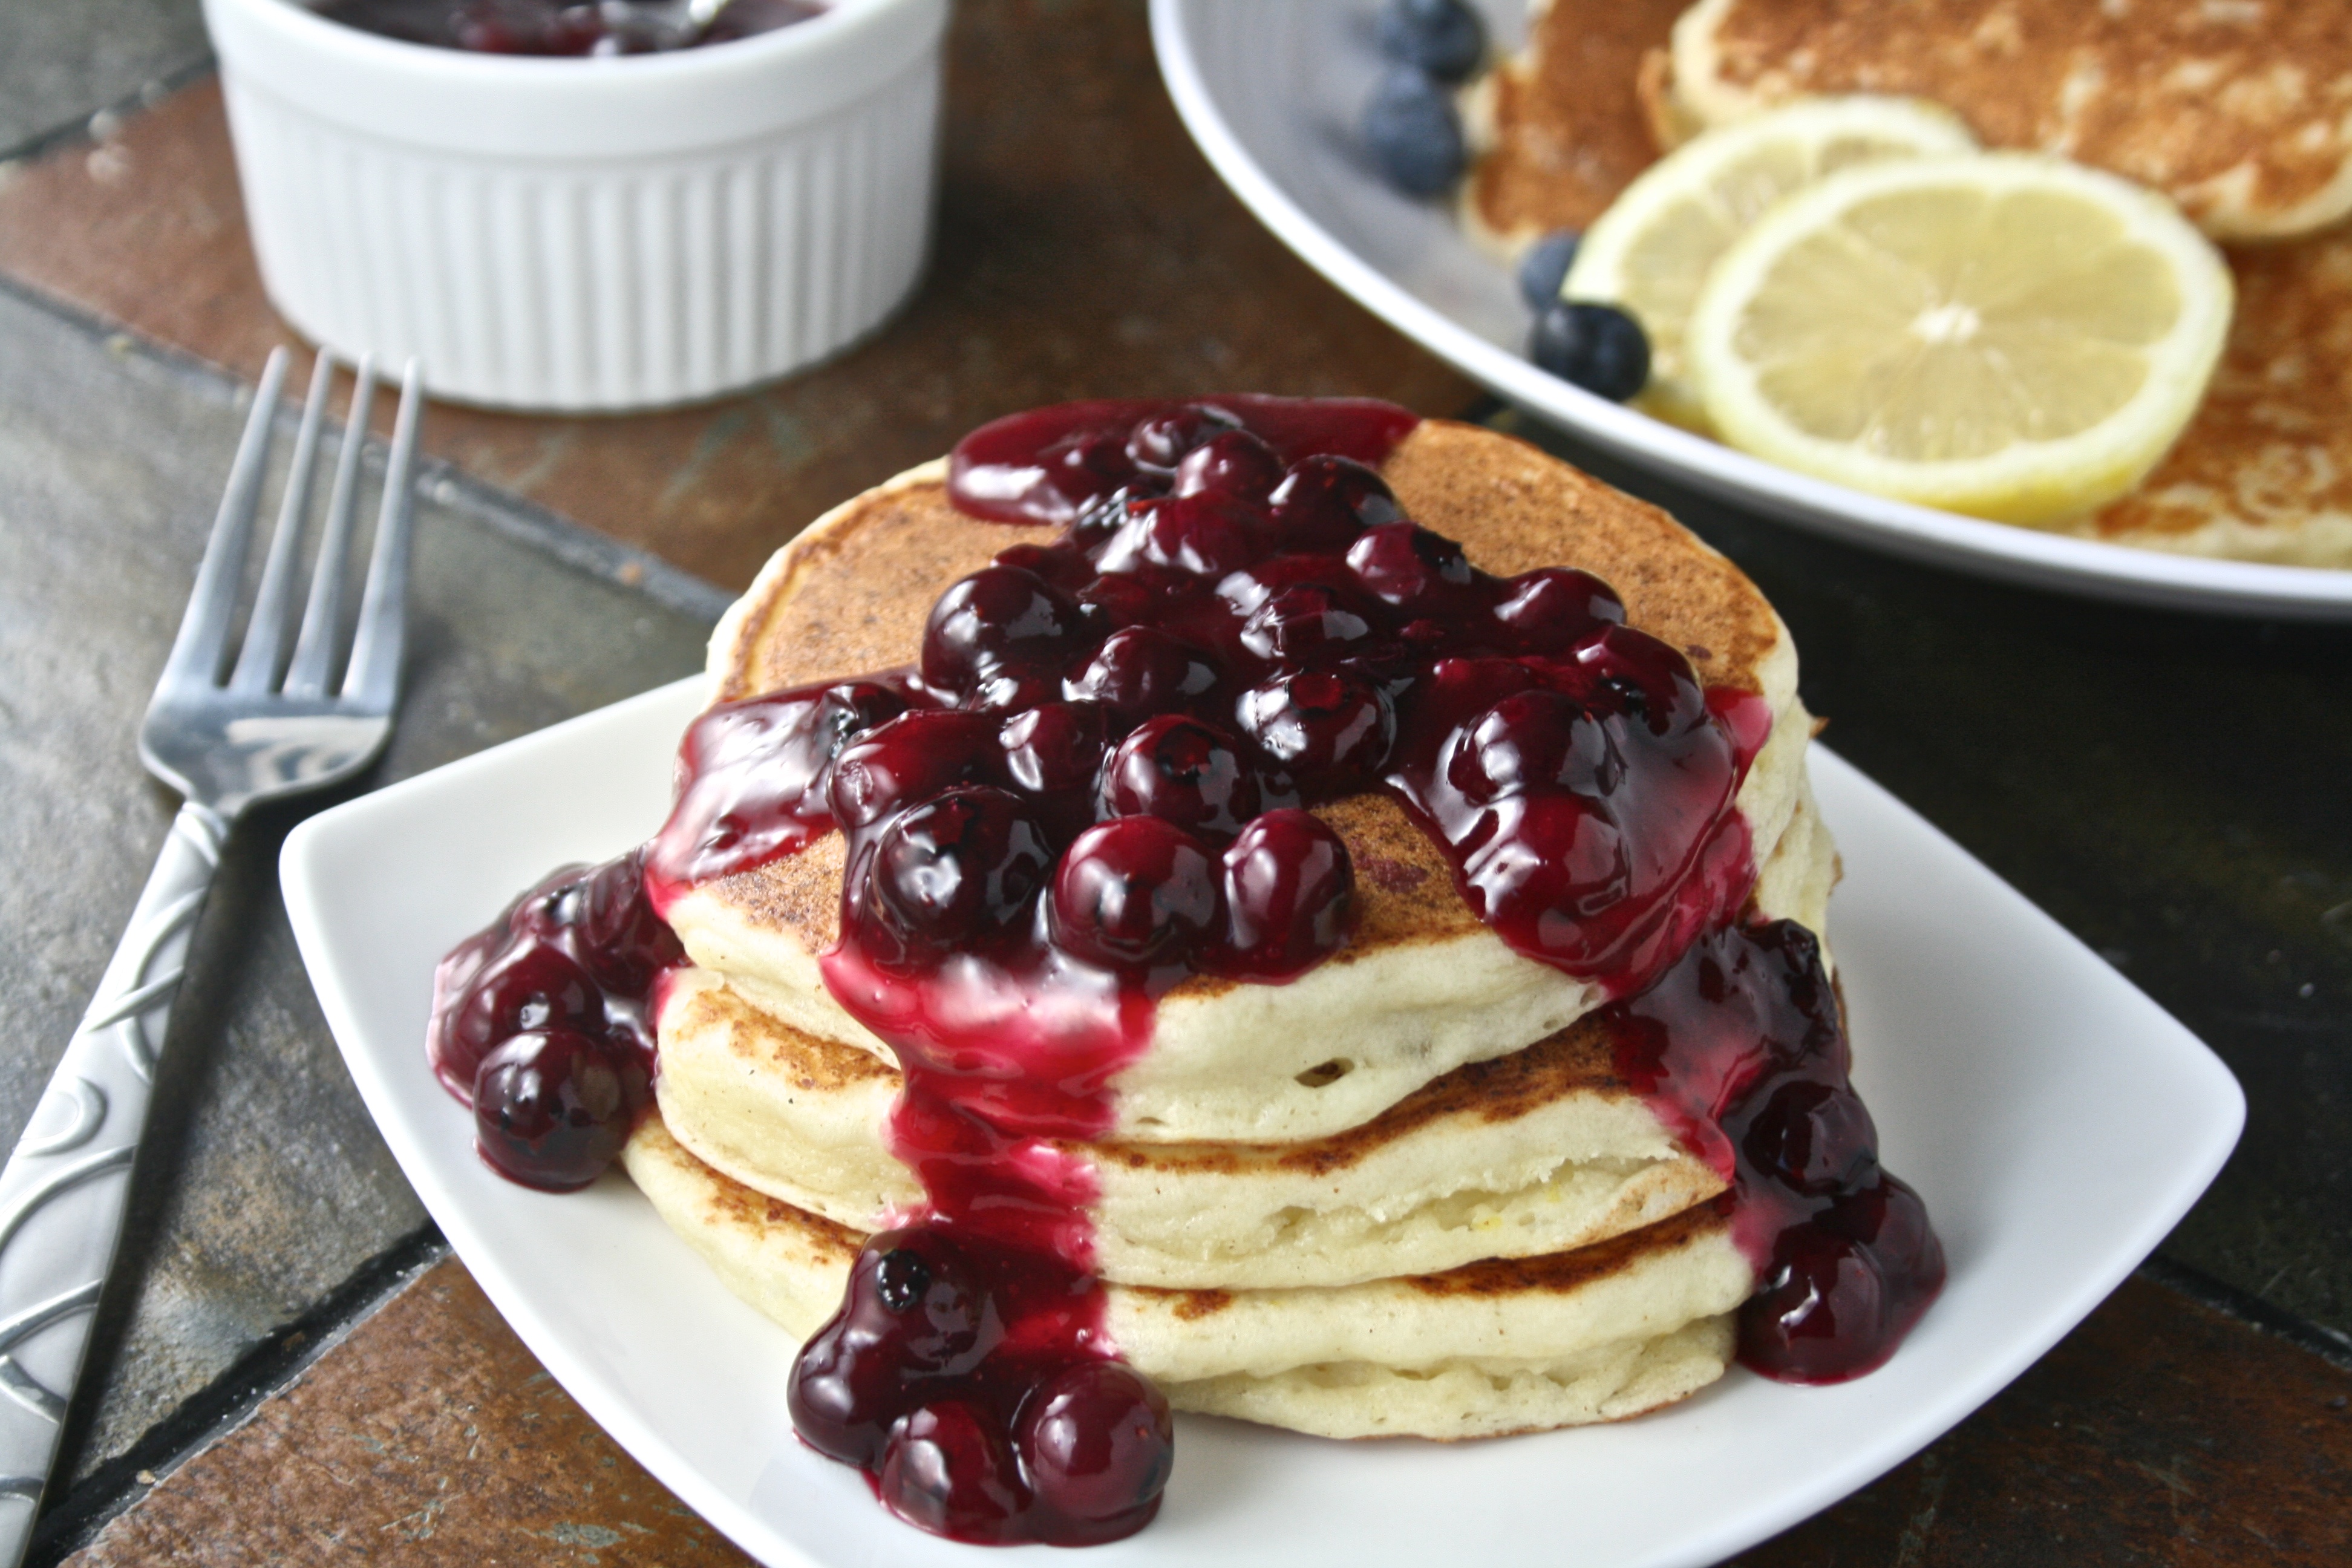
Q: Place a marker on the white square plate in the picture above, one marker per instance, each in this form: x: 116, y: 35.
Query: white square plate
x: 2057, y: 1122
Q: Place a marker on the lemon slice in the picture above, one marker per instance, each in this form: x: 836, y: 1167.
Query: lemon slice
x: 2009, y: 336
x: 1651, y: 250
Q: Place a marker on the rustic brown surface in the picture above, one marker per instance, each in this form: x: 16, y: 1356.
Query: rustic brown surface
x: 2159, y: 1432
x: 1084, y: 248
x: 430, y: 1436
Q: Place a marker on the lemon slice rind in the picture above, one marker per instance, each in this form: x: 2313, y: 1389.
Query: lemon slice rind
x: 1650, y: 251
x: 1747, y: 299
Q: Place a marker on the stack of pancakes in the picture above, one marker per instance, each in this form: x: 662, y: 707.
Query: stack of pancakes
x: 1405, y: 1194
x: 2239, y: 112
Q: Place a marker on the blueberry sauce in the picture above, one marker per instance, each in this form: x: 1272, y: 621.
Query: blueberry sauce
x: 1095, y: 784
x: 971, y: 1385
x: 1740, y: 1047
x: 542, y: 1023
x: 597, y: 27
x: 1048, y: 465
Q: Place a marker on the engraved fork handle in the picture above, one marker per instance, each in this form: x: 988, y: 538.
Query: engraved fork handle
x: 63, y: 1193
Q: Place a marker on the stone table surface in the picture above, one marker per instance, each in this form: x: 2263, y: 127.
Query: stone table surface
x: 290, y: 1369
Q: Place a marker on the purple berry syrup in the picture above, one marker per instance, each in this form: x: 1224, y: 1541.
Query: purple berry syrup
x: 577, y: 27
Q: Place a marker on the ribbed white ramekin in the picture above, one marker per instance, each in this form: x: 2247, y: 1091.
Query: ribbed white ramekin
x: 586, y: 234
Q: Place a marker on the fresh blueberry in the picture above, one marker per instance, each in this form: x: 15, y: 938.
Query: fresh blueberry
x: 1414, y: 133
x: 1545, y: 268
x: 1444, y: 37
x: 1597, y: 347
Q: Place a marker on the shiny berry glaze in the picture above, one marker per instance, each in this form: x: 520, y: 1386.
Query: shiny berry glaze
x: 1740, y: 1047
x: 752, y: 779
x: 558, y: 26
x: 1050, y: 464
x: 542, y: 1022
x: 971, y: 1383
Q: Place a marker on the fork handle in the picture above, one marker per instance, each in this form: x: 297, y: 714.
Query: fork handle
x: 66, y: 1186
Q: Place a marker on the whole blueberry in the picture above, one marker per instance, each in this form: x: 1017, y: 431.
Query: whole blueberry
x: 553, y: 1106
x: 945, y: 1468
x: 1597, y: 347
x: 1414, y: 133
x: 959, y: 865
x: 1444, y: 37
x: 1135, y: 890
x: 1545, y: 268
x: 1097, y: 1445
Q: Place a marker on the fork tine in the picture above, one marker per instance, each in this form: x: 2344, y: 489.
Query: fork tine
x: 373, y: 678
x: 204, y: 628
x: 265, y: 628
x: 314, y: 648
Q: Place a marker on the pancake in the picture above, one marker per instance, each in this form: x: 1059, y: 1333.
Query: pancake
x: 1599, y: 1333
x: 1564, y: 125
x: 2263, y: 471
x: 1425, y: 986
x: 2239, y: 112
x: 1538, y: 1151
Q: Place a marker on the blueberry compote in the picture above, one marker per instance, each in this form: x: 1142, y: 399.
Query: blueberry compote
x: 1097, y: 782
x: 968, y: 1381
x: 542, y: 1023
x: 599, y: 27
x: 1741, y: 1048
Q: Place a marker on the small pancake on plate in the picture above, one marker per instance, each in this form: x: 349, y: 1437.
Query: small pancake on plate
x: 2265, y: 471
x: 2240, y: 112
x: 1565, y: 124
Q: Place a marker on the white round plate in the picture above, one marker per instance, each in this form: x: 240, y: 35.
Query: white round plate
x: 1272, y: 94
x: 2055, y: 1119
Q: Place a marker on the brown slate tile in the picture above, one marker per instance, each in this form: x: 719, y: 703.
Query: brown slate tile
x: 265, y: 1185
x: 429, y: 1436
x: 146, y: 226
x: 2158, y: 1432
x: 1084, y: 248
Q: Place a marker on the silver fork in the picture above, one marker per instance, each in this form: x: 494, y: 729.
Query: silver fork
x: 226, y: 742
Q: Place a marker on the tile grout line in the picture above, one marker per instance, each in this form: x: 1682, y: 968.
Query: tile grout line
x: 549, y: 533
x: 538, y: 527
x: 280, y: 1359
x: 2330, y: 1345
x: 72, y: 1521
x: 84, y: 126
